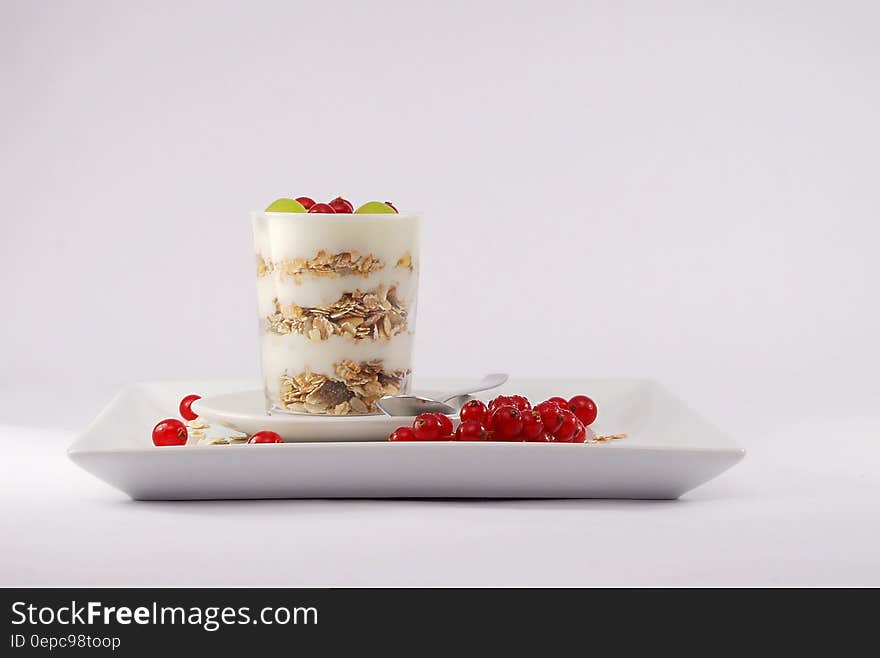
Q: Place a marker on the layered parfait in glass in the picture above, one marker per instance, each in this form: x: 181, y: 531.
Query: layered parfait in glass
x: 336, y: 292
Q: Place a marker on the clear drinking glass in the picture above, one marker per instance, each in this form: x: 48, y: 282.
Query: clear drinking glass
x: 337, y: 303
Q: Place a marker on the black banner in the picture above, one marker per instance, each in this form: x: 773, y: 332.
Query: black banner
x: 134, y: 621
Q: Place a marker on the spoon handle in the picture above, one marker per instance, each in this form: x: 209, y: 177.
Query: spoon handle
x: 490, y: 381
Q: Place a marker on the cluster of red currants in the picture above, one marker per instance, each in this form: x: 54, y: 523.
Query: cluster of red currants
x: 508, y: 418
x: 172, y: 432
x: 338, y: 205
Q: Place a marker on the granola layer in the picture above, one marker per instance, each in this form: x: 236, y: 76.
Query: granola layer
x: 324, y: 264
x: 353, y: 389
x: 371, y: 315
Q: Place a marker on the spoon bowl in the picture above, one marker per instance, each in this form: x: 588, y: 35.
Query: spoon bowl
x: 413, y: 405
x: 447, y: 403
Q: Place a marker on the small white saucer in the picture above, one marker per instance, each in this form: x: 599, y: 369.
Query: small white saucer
x: 245, y: 411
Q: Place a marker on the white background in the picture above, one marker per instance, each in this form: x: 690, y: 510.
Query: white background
x: 680, y: 190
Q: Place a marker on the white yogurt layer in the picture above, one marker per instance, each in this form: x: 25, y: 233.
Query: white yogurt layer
x: 285, y: 236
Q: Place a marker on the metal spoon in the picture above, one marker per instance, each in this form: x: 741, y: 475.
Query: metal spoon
x: 413, y: 405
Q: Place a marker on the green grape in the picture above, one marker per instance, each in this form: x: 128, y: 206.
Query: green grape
x: 286, y: 205
x: 374, y: 208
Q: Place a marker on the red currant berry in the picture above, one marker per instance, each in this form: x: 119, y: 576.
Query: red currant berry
x: 521, y: 402
x: 340, y: 205
x: 469, y: 430
x: 489, y: 419
x: 580, y: 434
x: 500, y: 401
x: 532, y: 426
x: 186, y: 407
x: 426, y: 427
x: 266, y: 436
x: 391, y: 205
x: 545, y: 437
x: 445, y: 425
x: 550, y: 415
x: 403, y: 434
x: 562, y: 403
x: 306, y: 202
x: 584, y: 408
x: 169, y: 432
x: 322, y: 208
x: 473, y: 410
x: 508, y: 422
x: 569, y: 426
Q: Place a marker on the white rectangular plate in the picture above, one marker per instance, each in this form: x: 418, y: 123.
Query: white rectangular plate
x: 670, y: 450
